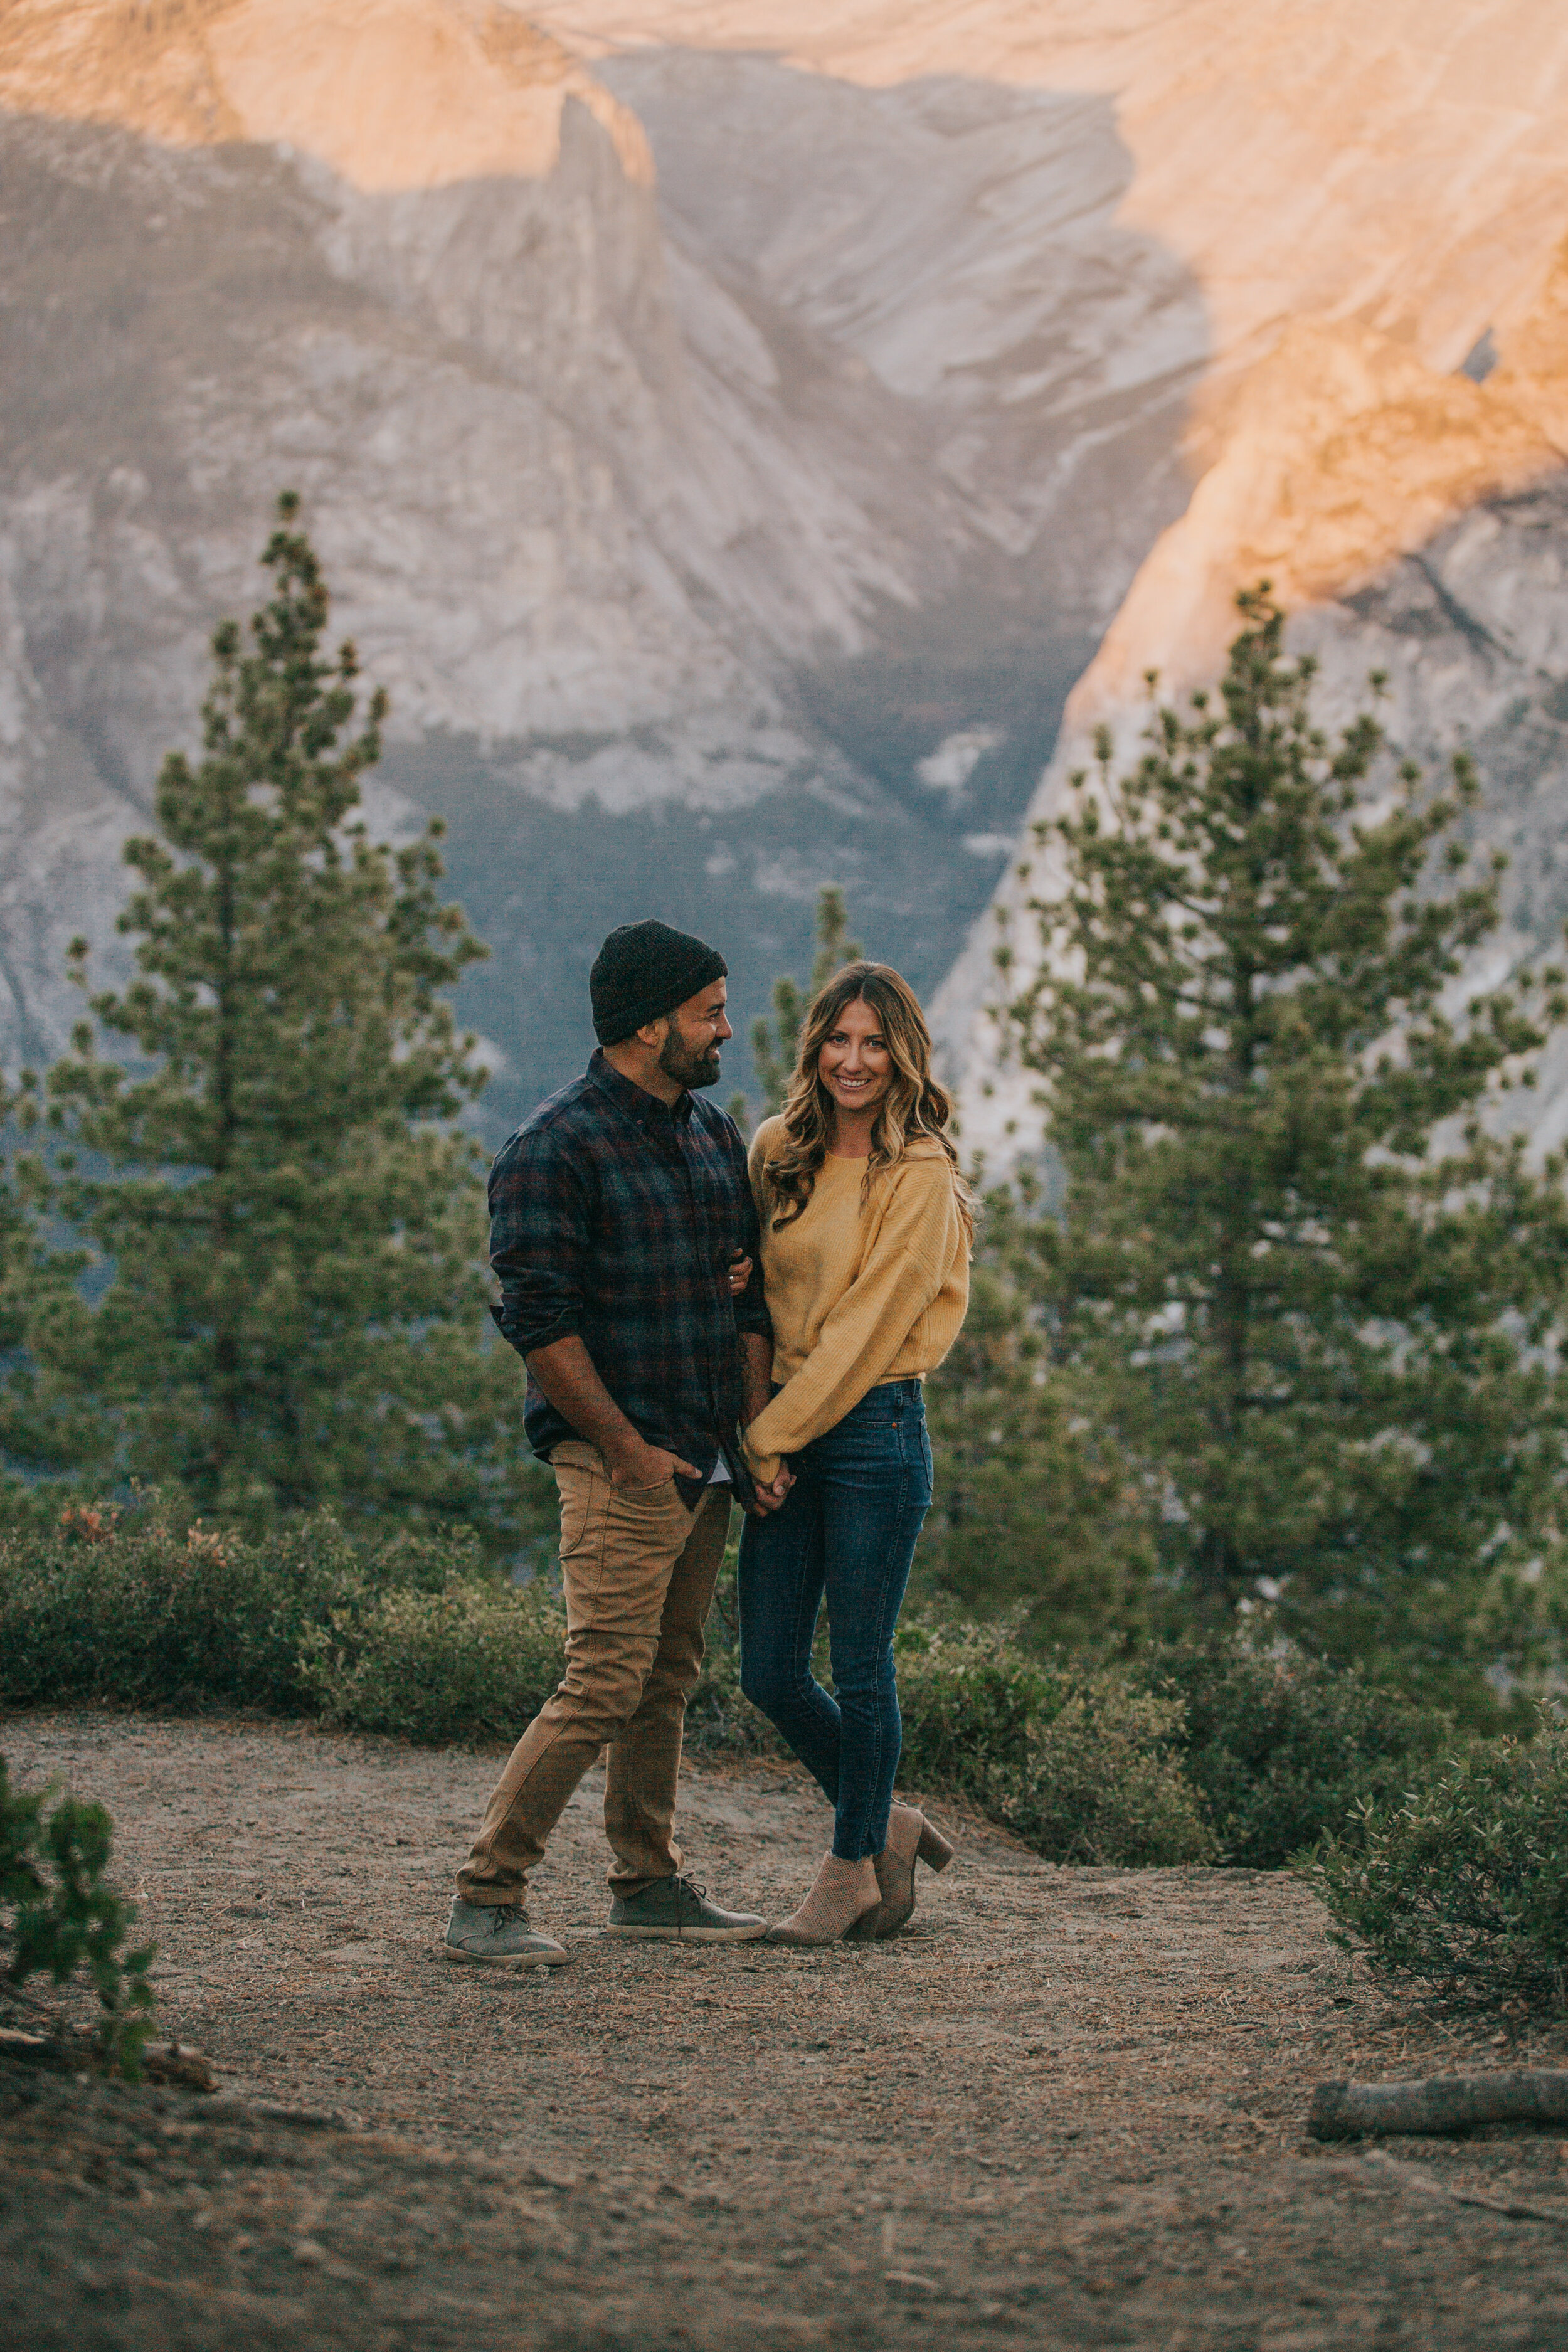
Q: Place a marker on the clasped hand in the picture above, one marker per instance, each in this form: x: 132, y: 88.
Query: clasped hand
x: 642, y: 1466
x: 770, y: 1498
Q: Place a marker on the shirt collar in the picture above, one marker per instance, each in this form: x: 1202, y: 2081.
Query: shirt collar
x: 636, y: 1101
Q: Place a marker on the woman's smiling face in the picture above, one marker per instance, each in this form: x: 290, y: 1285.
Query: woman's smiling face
x: 854, y: 1062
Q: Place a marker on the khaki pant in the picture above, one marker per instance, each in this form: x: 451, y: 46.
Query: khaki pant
x: 639, y: 1571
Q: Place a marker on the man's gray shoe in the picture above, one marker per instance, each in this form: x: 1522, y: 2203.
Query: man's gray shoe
x: 497, y: 1936
x: 673, y: 1906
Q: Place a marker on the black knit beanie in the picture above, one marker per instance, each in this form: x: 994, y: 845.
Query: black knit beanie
x: 646, y: 969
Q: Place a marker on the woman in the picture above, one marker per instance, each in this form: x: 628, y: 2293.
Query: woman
x: 865, y: 1225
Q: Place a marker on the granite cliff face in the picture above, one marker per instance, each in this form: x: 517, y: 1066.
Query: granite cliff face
x: 1417, y: 526
x: 684, y: 600
x: 1371, y: 205
x: 408, y: 263
x: 732, y: 425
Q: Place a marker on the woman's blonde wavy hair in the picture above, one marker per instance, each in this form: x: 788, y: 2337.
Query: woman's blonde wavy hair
x: 915, y: 1104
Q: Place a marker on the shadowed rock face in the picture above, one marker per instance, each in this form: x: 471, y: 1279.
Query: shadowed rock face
x: 1472, y: 630
x: 1404, y: 166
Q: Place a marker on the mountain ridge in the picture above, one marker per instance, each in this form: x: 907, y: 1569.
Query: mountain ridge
x: 732, y: 431
x: 627, y: 530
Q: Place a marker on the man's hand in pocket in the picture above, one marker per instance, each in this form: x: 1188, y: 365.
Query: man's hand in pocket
x: 640, y: 1465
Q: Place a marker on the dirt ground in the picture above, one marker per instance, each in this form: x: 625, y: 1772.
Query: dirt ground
x: 1065, y: 2108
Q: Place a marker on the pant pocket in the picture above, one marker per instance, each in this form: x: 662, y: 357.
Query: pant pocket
x: 577, y: 1513
x: 654, y: 1499
x: 649, y: 1511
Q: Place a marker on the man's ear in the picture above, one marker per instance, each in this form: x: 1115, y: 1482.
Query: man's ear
x: 653, y: 1033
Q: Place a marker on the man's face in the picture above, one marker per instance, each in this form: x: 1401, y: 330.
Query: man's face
x: 690, y: 1053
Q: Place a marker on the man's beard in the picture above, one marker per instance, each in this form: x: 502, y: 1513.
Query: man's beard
x: 688, y: 1065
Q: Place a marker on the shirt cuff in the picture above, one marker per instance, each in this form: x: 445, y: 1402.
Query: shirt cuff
x: 526, y: 1336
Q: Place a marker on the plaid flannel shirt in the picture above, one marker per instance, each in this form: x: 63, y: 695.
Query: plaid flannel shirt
x: 613, y: 1217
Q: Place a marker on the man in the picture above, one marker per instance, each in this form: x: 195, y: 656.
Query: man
x: 616, y: 1211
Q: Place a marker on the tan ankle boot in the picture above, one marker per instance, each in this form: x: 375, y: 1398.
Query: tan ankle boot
x: 841, y: 1893
x: 910, y: 1837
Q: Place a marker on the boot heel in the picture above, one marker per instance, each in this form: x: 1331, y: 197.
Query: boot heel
x: 933, y: 1849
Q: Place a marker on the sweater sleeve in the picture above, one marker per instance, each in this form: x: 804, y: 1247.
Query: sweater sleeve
x: 864, y: 1330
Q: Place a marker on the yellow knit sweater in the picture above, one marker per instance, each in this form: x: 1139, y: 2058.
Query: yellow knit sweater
x: 860, y: 1292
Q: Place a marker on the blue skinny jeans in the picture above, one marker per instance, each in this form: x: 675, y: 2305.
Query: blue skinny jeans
x: 849, y: 1529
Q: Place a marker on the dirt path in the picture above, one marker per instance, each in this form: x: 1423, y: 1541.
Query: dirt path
x: 1065, y: 2108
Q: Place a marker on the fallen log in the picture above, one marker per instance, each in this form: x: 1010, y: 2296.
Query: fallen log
x: 1446, y: 2104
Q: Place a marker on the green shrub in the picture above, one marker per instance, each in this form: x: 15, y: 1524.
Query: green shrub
x: 1463, y: 1886
x: 968, y: 1696
x: 474, y: 1661
x: 719, y: 1719
x: 1100, y: 1783
x: 1078, y: 1760
x: 57, y: 1914
x: 1206, y: 1751
x: 147, y: 1610
x: 1281, y: 1747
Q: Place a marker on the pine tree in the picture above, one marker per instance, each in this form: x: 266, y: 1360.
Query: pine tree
x: 1314, y: 1290
x: 774, y: 1042
x: 1032, y: 1517
x: 45, y: 1426
x: 297, y: 1312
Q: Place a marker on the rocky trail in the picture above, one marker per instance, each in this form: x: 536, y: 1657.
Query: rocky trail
x: 1066, y: 2108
